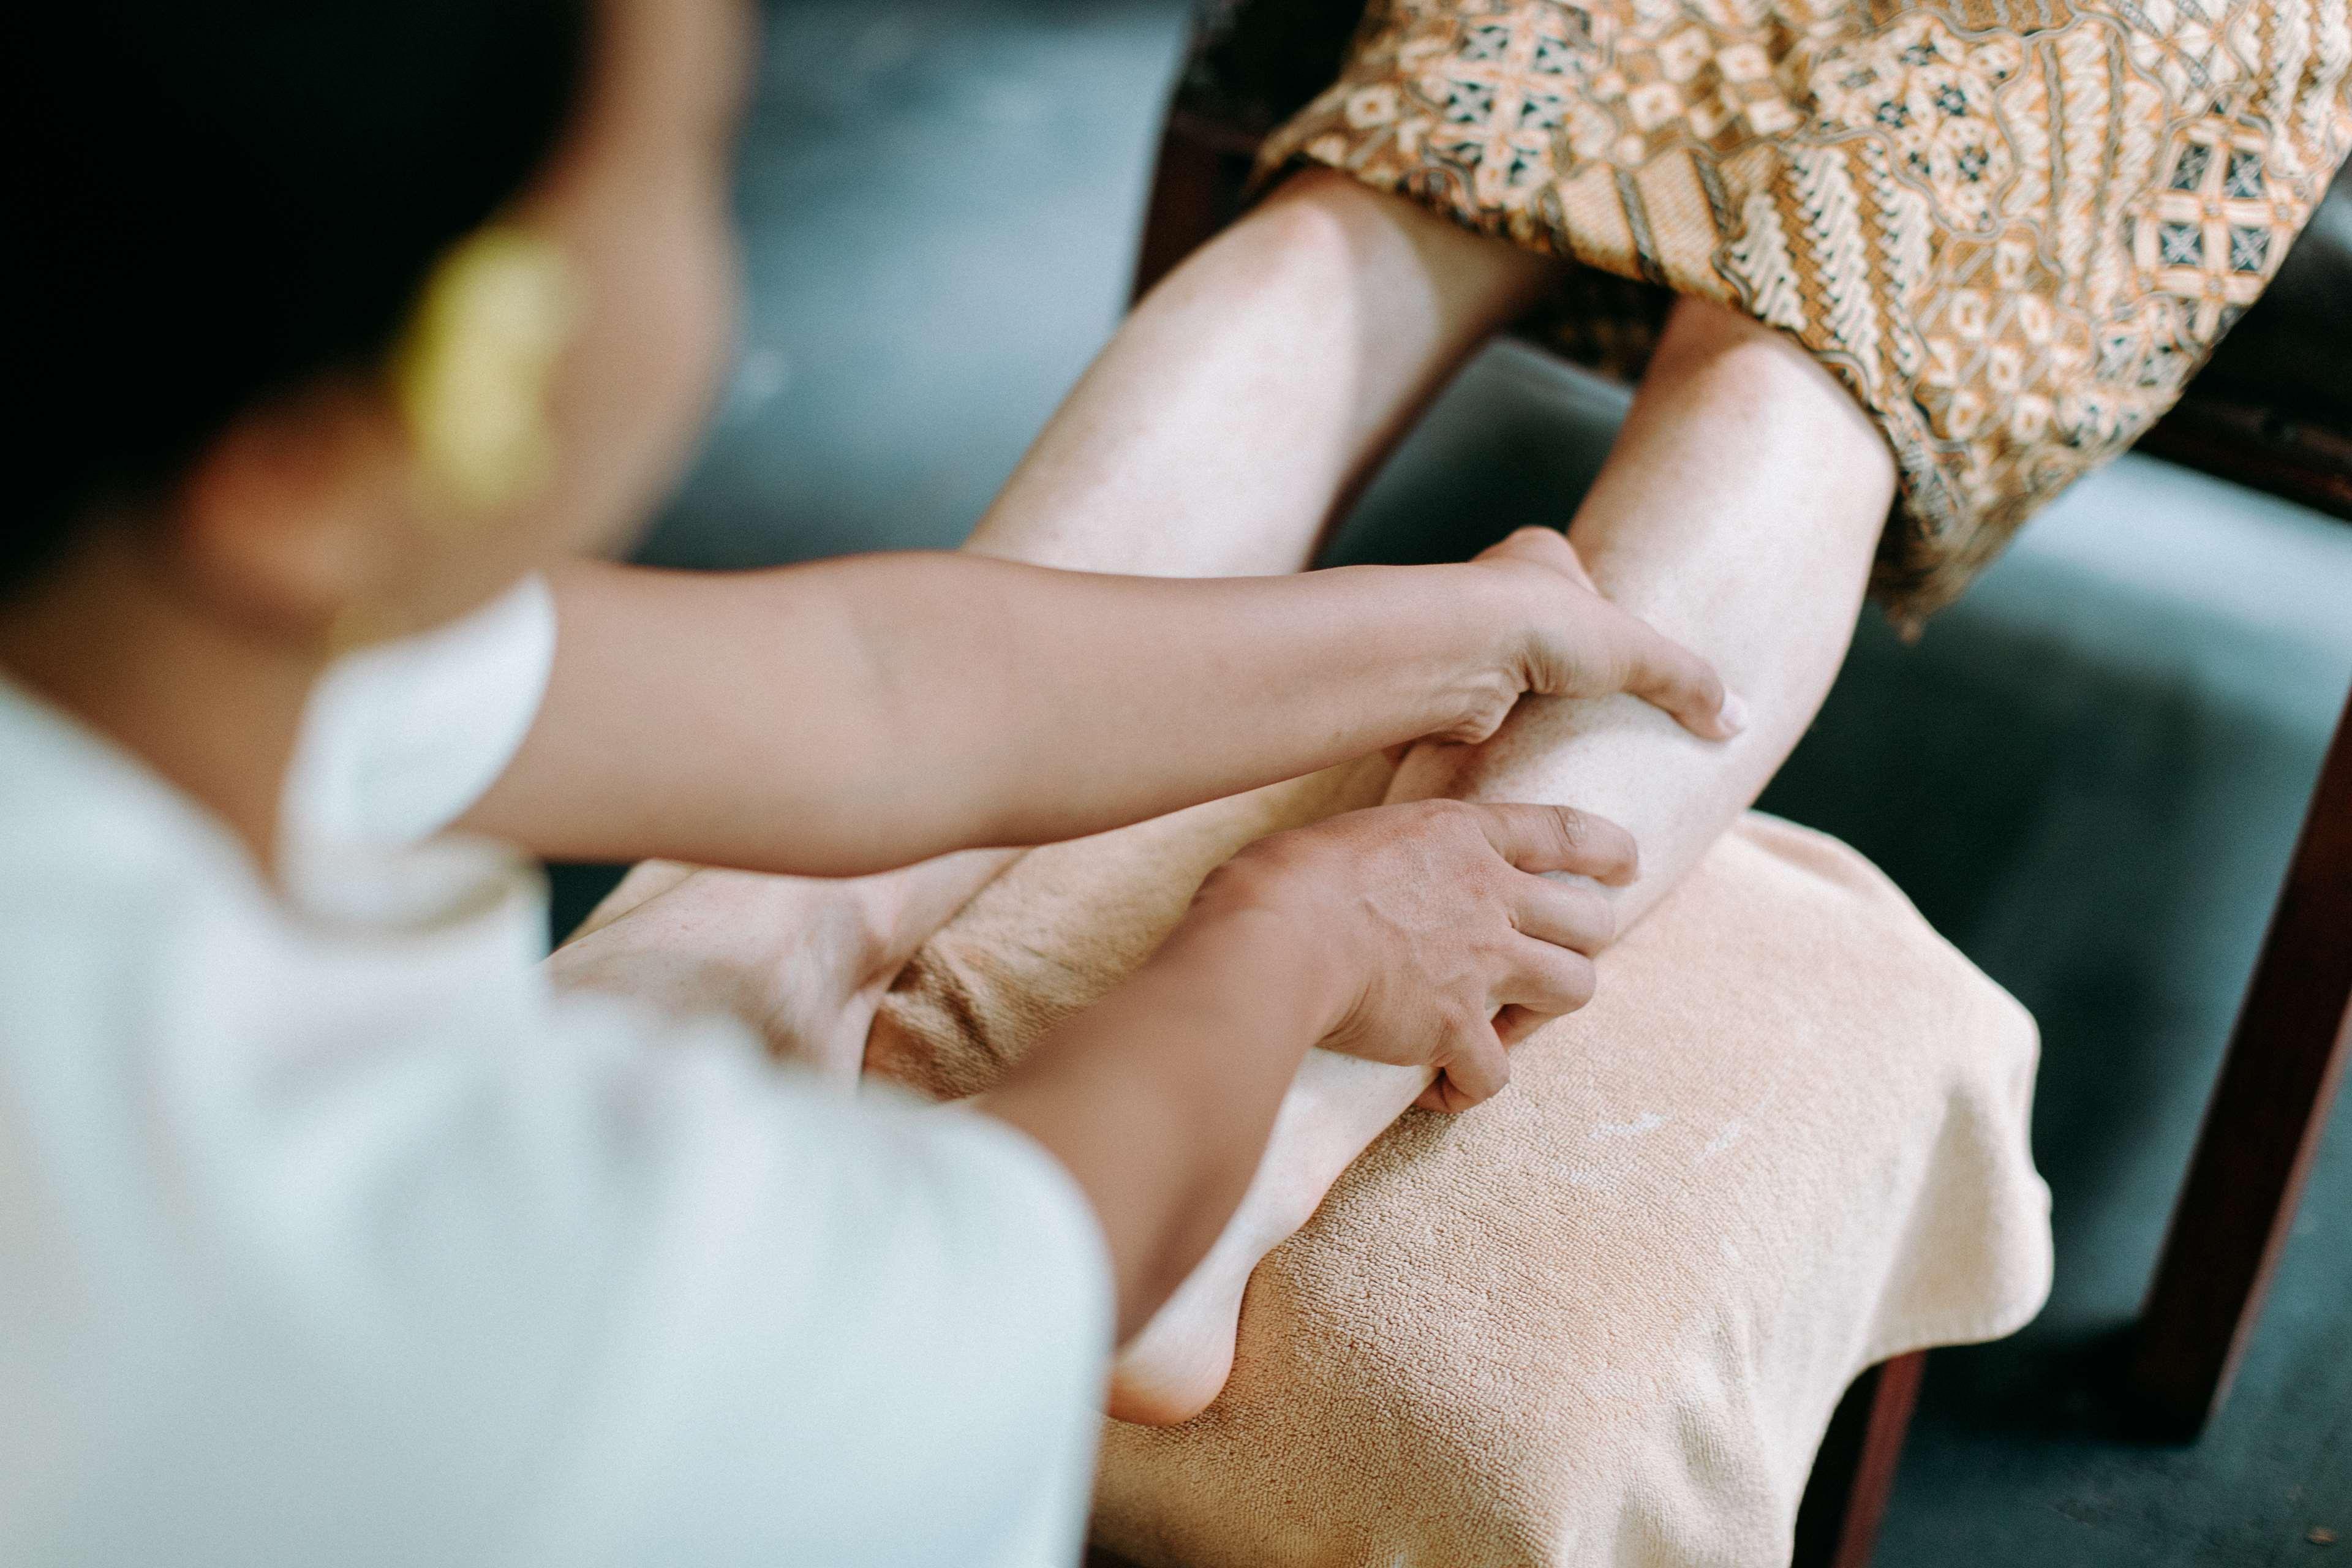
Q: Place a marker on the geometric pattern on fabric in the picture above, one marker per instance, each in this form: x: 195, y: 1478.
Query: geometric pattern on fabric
x: 2012, y: 228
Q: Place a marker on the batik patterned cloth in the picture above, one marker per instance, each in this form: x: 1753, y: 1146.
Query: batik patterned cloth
x: 2013, y: 228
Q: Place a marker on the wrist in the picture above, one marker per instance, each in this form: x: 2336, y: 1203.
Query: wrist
x: 1486, y: 634
x: 1443, y: 647
x: 1246, y: 919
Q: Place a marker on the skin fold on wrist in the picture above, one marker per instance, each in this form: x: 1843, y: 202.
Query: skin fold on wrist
x: 1486, y: 630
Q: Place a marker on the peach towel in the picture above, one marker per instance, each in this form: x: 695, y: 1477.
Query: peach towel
x: 1604, y: 1318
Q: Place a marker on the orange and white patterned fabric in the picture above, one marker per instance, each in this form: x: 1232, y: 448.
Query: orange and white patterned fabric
x: 2013, y: 228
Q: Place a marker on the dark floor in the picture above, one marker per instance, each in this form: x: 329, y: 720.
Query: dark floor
x: 2088, y: 776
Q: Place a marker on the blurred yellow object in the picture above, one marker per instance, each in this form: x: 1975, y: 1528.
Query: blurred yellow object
x: 471, y: 372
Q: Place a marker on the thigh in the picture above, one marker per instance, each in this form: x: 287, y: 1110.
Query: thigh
x: 1245, y: 401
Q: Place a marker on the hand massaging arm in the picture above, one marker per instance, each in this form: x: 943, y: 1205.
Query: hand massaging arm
x: 1396, y: 934
x: 855, y: 715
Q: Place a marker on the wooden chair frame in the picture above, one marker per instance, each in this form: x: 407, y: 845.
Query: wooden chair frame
x: 2261, y: 1127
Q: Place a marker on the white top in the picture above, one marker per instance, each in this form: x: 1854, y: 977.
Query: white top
x: 328, y: 1236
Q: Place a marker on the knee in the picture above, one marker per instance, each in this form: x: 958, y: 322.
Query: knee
x: 1320, y: 225
x: 1769, y: 373
x: 1318, y: 217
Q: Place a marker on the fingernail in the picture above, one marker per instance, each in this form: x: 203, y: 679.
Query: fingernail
x: 1734, y: 713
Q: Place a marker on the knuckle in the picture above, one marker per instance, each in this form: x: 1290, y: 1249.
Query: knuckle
x: 1466, y: 1028
x: 1578, y: 983
x: 1485, y: 716
x: 1453, y: 823
x: 1572, y: 828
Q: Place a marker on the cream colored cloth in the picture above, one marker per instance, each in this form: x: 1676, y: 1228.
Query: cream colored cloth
x: 1603, y: 1318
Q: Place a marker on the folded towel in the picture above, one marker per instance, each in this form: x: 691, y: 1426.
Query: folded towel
x: 1603, y: 1318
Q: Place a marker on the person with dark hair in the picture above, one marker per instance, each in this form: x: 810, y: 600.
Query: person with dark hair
x: 334, y: 1231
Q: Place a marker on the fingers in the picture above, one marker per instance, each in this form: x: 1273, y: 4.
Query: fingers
x: 1666, y: 675
x: 1476, y: 1066
x: 1563, y: 914
x: 1543, y: 982
x: 1548, y: 980
x: 1439, y: 1097
x: 1542, y: 838
x: 1551, y: 983
x: 1515, y: 1024
x: 1644, y: 662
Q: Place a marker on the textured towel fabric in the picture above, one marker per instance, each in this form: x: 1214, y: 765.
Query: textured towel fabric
x: 2013, y: 232
x: 1603, y: 1318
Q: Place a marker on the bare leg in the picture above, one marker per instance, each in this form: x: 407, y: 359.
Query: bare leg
x: 1230, y: 419
x: 1238, y: 409
x: 1738, y: 510
x: 1235, y: 414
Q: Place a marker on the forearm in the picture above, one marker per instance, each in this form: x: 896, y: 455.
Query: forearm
x: 1159, y: 1100
x: 1227, y: 421
x: 1144, y: 695
x: 855, y: 715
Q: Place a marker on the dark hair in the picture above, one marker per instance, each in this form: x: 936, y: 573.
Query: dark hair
x: 221, y: 199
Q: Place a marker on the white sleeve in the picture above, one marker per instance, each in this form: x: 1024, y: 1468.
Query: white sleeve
x: 401, y: 738
x: 567, y: 1299
x: 888, y: 1323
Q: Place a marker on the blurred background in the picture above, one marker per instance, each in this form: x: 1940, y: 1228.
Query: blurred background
x: 2088, y: 776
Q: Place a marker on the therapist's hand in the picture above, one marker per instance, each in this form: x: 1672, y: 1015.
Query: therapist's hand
x: 1426, y: 922
x: 1554, y: 634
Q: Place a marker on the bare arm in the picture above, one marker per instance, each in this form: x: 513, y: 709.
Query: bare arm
x: 1218, y: 433
x: 855, y: 715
